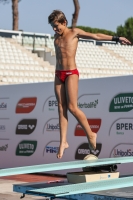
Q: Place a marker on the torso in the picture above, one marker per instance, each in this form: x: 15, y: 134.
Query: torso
x: 65, y: 47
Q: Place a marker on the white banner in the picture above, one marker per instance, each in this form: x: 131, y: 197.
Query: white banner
x: 29, y: 125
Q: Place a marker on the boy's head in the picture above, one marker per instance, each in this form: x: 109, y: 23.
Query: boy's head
x: 58, y: 21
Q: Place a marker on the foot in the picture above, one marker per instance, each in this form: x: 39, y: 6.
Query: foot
x: 92, y: 141
x: 62, y: 147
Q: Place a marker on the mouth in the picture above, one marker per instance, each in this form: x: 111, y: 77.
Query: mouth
x: 57, y: 32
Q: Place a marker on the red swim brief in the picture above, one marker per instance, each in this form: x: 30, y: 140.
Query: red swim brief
x: 63, y: 74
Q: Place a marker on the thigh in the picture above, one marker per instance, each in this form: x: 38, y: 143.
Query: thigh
x: 71, y: 85
x: 60, y: 93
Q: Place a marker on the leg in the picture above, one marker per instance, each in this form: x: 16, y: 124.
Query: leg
x: 71, y: 85
x: 62, y: 110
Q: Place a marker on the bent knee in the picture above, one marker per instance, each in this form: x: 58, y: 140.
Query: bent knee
x: 72, y: 108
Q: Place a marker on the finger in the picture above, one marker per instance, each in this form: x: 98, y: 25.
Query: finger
x: 123, y: 42
x: 122, y: 39
x: 126, y: 42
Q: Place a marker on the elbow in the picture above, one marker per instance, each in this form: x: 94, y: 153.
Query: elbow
x: 97, y: 37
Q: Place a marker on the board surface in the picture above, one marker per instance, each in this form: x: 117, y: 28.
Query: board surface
x: 112, y: 194
x: 61, y: 191
x: 64, y: 165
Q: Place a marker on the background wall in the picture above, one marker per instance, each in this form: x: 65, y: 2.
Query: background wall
x: 29, y: 127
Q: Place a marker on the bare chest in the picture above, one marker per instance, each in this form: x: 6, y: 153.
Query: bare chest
x: 63, y: 43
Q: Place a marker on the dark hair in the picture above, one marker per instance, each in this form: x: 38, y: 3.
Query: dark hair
x: 58, y: 16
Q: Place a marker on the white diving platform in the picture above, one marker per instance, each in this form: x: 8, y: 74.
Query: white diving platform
x: 64, y: 165
x: 72, y: 189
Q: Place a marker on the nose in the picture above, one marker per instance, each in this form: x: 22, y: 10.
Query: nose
x: 54, y: 29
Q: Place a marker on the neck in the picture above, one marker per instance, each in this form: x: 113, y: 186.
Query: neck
x: 65, y: 31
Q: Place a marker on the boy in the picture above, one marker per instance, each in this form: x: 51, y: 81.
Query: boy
x: 67, y: 75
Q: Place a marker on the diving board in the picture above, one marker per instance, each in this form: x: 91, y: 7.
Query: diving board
x: 82, y: 188
x: 64, y: 165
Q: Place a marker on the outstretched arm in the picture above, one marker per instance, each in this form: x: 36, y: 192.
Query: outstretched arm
x: 100, y: 36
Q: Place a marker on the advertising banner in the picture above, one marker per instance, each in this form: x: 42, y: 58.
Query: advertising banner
x: 30, y: 131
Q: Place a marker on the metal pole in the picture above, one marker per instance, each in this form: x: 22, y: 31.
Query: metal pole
x: 22, y: 39
x: 33, y: 44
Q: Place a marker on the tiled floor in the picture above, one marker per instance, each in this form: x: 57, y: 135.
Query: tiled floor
x: 32, y: 178
x: 6, y: 185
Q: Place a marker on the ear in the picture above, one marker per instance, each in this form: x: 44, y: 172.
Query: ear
x: 65, y: 23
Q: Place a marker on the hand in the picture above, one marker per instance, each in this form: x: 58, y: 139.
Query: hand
x: 123, y: 40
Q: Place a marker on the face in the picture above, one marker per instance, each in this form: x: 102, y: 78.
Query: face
x: 58, y: 27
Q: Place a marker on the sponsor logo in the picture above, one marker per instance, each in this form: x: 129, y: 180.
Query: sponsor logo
x: 3, y: 106
x: 122, y: 150
x: 26, y: 126
x: 120, y: 133
x: 2, y: 128
x: 26, y: 148
x: 122, y: 126
x: 105, y: 176
x: 51, y: 104
x: 83, y: 150
x: 4, y: 103
x: 52, y: 127
x: 4, y: 148
x: 4, y: 125
x: 95, y: 125
x: 26, y: 105
x: 121, y: 153
x: 122, y: 103
x: 50, y: 149
x: 88, y: 104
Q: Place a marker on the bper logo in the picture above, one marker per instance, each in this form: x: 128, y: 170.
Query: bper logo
x: 4, y: 148
x: 51, y: 104
x: 122, y: 127
x: 122, y: 103
x: 26, y: 126
x: 26, y: 148
x: 83, y: 150
x: 50, y: 149
x: 26, y: 105
x: 95, y: 125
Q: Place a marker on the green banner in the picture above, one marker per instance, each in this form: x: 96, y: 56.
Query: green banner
x: 122, y: 103
x: 26, y: 148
